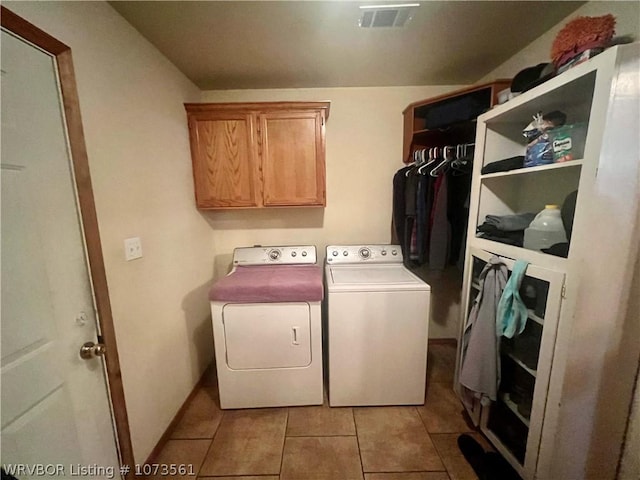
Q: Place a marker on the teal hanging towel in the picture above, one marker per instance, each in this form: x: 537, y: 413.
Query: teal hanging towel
x: 511, y: 317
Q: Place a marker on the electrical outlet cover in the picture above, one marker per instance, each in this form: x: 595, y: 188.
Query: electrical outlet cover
x: 132, y: 248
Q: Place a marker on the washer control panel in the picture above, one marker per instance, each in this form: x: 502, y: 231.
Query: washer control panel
x: 277, y: 255
x: 364, y: 253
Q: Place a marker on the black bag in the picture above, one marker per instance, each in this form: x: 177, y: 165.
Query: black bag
x: 457, y: 110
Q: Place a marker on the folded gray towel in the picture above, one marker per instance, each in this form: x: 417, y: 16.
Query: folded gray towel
x: 510, y: 223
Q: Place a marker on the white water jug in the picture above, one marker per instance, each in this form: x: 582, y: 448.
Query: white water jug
x: 545, y: 230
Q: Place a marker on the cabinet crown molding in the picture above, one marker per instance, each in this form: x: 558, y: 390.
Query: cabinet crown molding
x: 258, y: 106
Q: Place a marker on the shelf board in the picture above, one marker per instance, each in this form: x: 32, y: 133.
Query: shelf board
x: 565, y: 89
x: 529, y: 170
x: 530, y: 371
x: 504, y: 397
x: 545, y: 260
x: 535, y: 318
x: 461, y: 129
x: 530, y: 313
x: 497, y: 85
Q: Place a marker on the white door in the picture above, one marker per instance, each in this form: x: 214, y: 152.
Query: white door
x: 55, y: 407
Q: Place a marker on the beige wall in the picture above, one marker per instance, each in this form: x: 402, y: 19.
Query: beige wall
x: 364, y: 150
x: 135, y: 127
x: 627, y: 15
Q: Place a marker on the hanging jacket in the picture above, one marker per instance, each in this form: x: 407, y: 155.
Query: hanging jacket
x: 411, y: 187
x: 440, y: 227
x: 480, y: 371
x: 398, y: 220
x: 422, y: 215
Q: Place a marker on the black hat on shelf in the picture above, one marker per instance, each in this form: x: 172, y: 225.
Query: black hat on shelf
x: 532, y: 76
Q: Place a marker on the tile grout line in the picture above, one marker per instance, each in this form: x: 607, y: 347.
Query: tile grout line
x: 424, y: 425
x: 469, y: 430
x: 193, y: 438
x: 284, y: 441
x: 355, y: 425
x: 440, y: 455
x: 203, y: 459
x: 206, y: 455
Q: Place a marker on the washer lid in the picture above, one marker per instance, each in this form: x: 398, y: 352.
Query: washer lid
x: 373, y: 277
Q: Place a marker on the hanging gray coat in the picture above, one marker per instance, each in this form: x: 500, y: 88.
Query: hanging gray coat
x: 480, y: 371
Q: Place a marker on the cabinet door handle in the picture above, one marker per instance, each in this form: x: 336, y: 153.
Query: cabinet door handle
x: 294, y: 335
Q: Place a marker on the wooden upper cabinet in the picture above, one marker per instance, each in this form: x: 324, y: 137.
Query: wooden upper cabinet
x: 293, y: 167
x: 225, y: 170
x: 249, y: 155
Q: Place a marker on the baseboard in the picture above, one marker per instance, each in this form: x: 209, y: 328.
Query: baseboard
x: 177, y: 417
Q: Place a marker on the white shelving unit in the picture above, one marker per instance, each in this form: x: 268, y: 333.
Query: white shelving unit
x: 583, y: 324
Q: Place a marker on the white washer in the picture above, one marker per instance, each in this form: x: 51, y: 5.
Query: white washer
x: 378, y: 320
x: 267, y: 328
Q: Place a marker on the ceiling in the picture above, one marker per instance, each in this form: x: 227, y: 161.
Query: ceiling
x: 223, y: 45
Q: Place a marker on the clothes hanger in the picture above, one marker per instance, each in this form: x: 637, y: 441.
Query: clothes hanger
x: 416, y: 162
x: 462, y: 165
x: 448, y: 157
x: 430, y: 160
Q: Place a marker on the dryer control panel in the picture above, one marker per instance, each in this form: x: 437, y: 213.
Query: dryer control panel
x: 275, y: 255
x: 364, y: 253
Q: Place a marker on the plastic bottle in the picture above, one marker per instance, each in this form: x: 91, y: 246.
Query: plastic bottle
x: 545, y: 230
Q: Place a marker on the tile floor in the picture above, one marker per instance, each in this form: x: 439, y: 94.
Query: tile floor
x: 322, y: 443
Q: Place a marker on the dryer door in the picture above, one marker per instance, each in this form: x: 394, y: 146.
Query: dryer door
x: 267, y: 335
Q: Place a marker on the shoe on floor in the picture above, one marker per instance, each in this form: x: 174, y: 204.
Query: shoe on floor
x: 486, y: 465
x: 473, y: 453
x: 497, y: 468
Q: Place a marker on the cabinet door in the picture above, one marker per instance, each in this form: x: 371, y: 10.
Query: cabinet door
x: 225, y: 169
x: 514, y: 422
x: 292, y: 152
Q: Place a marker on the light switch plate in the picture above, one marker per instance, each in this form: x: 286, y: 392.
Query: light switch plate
x: 132, y: 248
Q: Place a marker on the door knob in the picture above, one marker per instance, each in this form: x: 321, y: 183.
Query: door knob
x: 90, y: 350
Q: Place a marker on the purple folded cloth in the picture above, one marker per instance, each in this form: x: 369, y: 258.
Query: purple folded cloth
x: 270, y: 283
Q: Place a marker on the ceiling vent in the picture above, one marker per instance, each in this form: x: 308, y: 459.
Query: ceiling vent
x: 375, y: 16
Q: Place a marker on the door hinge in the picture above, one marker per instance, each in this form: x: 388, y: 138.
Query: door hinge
x: 564, y: 291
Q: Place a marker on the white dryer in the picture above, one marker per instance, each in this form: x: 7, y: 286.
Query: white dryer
x: 267, y: 328
x: 377, y: 327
